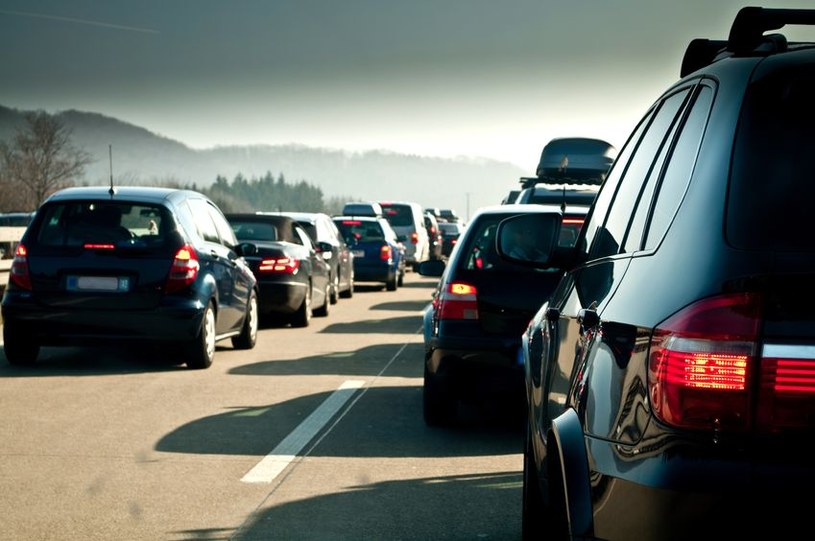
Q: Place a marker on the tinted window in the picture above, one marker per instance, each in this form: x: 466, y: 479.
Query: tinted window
x: 635, y: 175
x: 678, y: 173
x: 398, y: 215
x: 74, y: 223
x: 771, y: 188
x: 249, y: 230
x: 203, y: 220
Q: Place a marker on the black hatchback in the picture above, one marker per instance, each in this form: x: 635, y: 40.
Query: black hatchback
x: 129, y: 265
x: 670, y: 378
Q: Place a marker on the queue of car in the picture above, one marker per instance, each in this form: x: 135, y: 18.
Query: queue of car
x: 640, y: 306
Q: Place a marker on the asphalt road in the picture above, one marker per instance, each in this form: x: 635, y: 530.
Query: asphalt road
x: 317, y: 433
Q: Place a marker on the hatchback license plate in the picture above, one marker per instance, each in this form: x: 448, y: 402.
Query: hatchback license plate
x: 98, y: 283
x: 359, y: 253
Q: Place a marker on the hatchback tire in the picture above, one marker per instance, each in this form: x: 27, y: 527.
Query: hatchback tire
x: 438, y: 407
x: 201, y: 351
x: 335, y: 287
x: 19, y: 348
x: 249, y: 331
x: 348, y: 293
x: 323, y: 310
x: 393, y: 283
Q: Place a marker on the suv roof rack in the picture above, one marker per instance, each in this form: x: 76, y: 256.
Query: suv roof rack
x: 746, y: 36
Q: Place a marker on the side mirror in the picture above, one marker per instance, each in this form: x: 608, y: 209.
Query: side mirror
x: 431, y: 267
x: 529, y: 239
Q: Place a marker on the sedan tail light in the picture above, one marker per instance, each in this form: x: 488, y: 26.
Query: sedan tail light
x: 184, y: 269
x: 280, y: 265
x: 459, y: 300
x: 19, y: 273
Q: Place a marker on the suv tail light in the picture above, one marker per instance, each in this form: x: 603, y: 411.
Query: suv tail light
x: 281, y: 265
x: 414, y: 237
x: 702, y: 361
x: 184, y: 269
x: 19, y: 273
x: 459, y: 300
x: 787, y: 390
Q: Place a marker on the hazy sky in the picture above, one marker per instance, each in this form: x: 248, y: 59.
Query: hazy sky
x: 491, y: 78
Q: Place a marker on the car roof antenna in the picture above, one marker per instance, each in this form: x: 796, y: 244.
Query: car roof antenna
x: 111, y: 191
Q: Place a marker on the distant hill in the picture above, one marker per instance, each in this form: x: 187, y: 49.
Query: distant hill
x: 143, y: 157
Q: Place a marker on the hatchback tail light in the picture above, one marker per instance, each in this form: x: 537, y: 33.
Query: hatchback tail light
x: 19, y: 273
x: 459, y: 300
x: 279, y: 265
x: 787, y: 390
x: 184, y: 269
x: 702, y: 362
x: 385, y: 253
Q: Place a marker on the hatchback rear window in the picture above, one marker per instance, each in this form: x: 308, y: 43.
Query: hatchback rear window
x: 75, y: 223
x: 772, y: 188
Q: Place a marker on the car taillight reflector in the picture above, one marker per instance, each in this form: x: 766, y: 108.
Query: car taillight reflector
x: 787, y: 393
x: 283, y: 265
x: 184, y: 269
x: 702, y: 361
x: 19, y: 274
x: 414, y: 237
x: 385, y: 253
x: 458, y: 301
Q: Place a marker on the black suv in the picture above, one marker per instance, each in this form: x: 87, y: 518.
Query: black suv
x: 130, y: 265
x: 670, y: 377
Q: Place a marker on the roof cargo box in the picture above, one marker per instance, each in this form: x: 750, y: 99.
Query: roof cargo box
x: 575, y: 160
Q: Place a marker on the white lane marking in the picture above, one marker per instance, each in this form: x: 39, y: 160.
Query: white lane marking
x: 286, y: 451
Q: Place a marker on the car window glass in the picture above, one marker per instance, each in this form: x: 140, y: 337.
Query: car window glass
x: 225, y: 232
x: 633, y: 238
x: 302, y: 237
x: 612, y: 234
x: 678, y: 172
x: 203, y: 221
x: 771, y: 189
x: 601, y: 204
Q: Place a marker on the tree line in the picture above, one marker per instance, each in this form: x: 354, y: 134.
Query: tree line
x: 40, y: 159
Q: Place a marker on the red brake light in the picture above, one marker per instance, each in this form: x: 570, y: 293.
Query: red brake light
x: 19, y: 274
x: 787, y: 390
x: 184, y: 269
x: 91, y: 246
x: 283, y: 265
x: 352, y: 222
x: 414, y: 237
x: 702, y: 361
x: 459, y: 300
x: 386, y: 253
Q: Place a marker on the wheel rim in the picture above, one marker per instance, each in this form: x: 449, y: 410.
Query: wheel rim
x: 253, y: 317
x: 209, y: 332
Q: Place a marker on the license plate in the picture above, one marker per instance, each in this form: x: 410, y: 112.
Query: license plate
x: 98, y: 283
x: 358, y: 253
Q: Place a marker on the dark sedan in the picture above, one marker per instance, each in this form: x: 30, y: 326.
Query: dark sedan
x: 293, y: 278
x: 472, y: 329
x: 322, y: 230
x: 129, y: 265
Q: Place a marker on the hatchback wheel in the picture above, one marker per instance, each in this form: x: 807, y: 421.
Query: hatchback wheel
x: 532, y: 513
x: 19, y: 348
x: 201, y: 351
x: 439, y: 407
x: 249, y: 332
x: 393, y: 283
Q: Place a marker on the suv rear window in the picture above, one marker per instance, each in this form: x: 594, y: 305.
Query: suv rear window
x: 75, y: 223
x: 398, y: 215
x: 771, y: 194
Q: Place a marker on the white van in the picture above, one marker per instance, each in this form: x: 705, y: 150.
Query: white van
x: 407, y: 219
